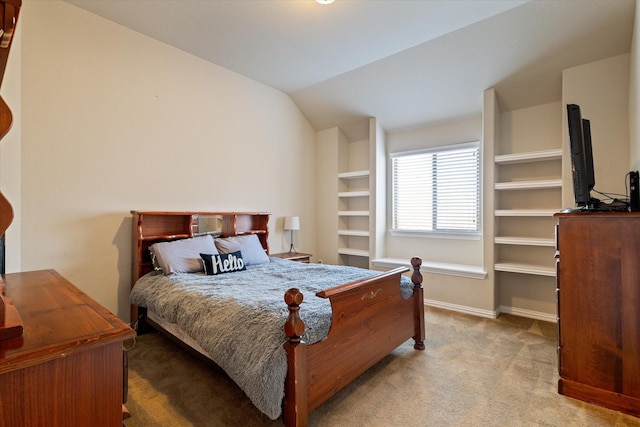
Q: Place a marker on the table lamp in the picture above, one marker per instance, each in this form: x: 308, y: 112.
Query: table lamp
x: 292, y: 223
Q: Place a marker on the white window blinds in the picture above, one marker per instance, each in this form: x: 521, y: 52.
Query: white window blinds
x: 437, y: 190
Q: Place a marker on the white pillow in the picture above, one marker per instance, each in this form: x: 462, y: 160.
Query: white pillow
x: 183, y: 256
x: 252, y: 251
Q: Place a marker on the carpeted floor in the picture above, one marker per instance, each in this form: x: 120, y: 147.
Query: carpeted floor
x: 474, y: 372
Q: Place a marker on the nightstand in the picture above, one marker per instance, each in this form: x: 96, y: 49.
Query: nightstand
x: 294, y: 256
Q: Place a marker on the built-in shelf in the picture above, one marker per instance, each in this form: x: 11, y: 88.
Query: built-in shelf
x: 531, y: 180
x: 361, y: 233
x: 538, y: 270
x: 355, y: 252
x: 356, y: 199
x: 525, y: 241
x: 529, y: 185
x: 353, y: 213
x: 534, y: 156
x: 353, y: 194
x: 526, y: 212
x: 354, y: 174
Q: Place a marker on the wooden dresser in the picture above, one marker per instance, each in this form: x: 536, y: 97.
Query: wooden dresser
x: 67, y: 368
x: 598, y: 282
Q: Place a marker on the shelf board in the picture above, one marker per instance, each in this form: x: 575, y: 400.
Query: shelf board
x: 360, y: 233
x: 239, y: 233
x: 526, y: 212
x: 525, y: 241
x: 534, y: 156
x: 354, y: 174
x: 356, y: 252
x: 165, y: 237
x: 364, y: 193
x: 529, y: 185
x: 353, y: 213
x: 537, y: 270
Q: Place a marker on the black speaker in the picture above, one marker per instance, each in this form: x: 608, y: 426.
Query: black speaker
x: 635, y: 191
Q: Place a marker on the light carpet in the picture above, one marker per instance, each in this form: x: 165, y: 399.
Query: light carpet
x: 473, y: 372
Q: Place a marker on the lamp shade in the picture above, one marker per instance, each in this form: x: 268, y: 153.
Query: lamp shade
x: 292, y: 223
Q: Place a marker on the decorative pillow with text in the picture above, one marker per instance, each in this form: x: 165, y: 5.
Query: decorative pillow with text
x: 222, y: 263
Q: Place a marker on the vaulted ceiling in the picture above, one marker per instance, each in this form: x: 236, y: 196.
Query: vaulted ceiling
x: 405, y: 62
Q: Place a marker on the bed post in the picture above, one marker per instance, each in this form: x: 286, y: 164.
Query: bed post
x: 418, y: 295
x: 295, y: 388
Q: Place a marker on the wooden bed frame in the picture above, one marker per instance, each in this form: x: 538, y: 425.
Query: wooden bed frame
x: 370, y: 318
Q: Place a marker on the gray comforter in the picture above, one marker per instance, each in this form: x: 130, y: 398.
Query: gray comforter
x: 238, y: 317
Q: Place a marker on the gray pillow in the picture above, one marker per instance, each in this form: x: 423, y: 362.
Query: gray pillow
x: 183, y: 256
x: 252, y: 251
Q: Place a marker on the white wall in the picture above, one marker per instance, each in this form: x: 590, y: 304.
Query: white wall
x: 602, y: 90
x: 113, y: 121
x: 327, y: 143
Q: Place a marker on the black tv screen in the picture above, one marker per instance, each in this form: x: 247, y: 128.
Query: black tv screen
x: 581, y: 157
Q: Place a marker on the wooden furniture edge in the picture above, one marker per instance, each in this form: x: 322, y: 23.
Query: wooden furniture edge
x: 598, y: 291
x: 119, y: 332
x: 308, y: 383
x: 597, y: 396
x: 67, y: 350
x: 10, y: 322
x: 357, y: 284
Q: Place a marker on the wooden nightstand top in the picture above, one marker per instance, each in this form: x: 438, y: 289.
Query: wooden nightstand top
x: 294, y: 256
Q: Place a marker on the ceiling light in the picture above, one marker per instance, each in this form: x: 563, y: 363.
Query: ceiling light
x: 325, y: 1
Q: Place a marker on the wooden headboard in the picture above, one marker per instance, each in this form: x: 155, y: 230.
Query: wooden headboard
x: 153, y: 227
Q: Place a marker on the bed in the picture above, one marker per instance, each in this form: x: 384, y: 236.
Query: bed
x: 289, y: 334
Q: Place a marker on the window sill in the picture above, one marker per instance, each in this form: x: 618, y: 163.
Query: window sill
x: 436, y: 235
x: 462, y: 270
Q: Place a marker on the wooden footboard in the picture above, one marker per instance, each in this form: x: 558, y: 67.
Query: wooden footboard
x: 370, y: 318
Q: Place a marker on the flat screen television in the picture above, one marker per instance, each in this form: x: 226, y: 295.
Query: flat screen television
x: 582, y: 171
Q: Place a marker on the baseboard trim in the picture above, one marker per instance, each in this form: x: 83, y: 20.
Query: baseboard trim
x: 538, y: 315
x: 461, y: 308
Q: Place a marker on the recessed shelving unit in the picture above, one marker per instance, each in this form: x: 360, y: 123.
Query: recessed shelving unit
x: 519, y: 191
x: 354, y: 203
x: 352, y: 178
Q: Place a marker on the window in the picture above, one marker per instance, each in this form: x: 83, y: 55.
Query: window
x: 437, y: 190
